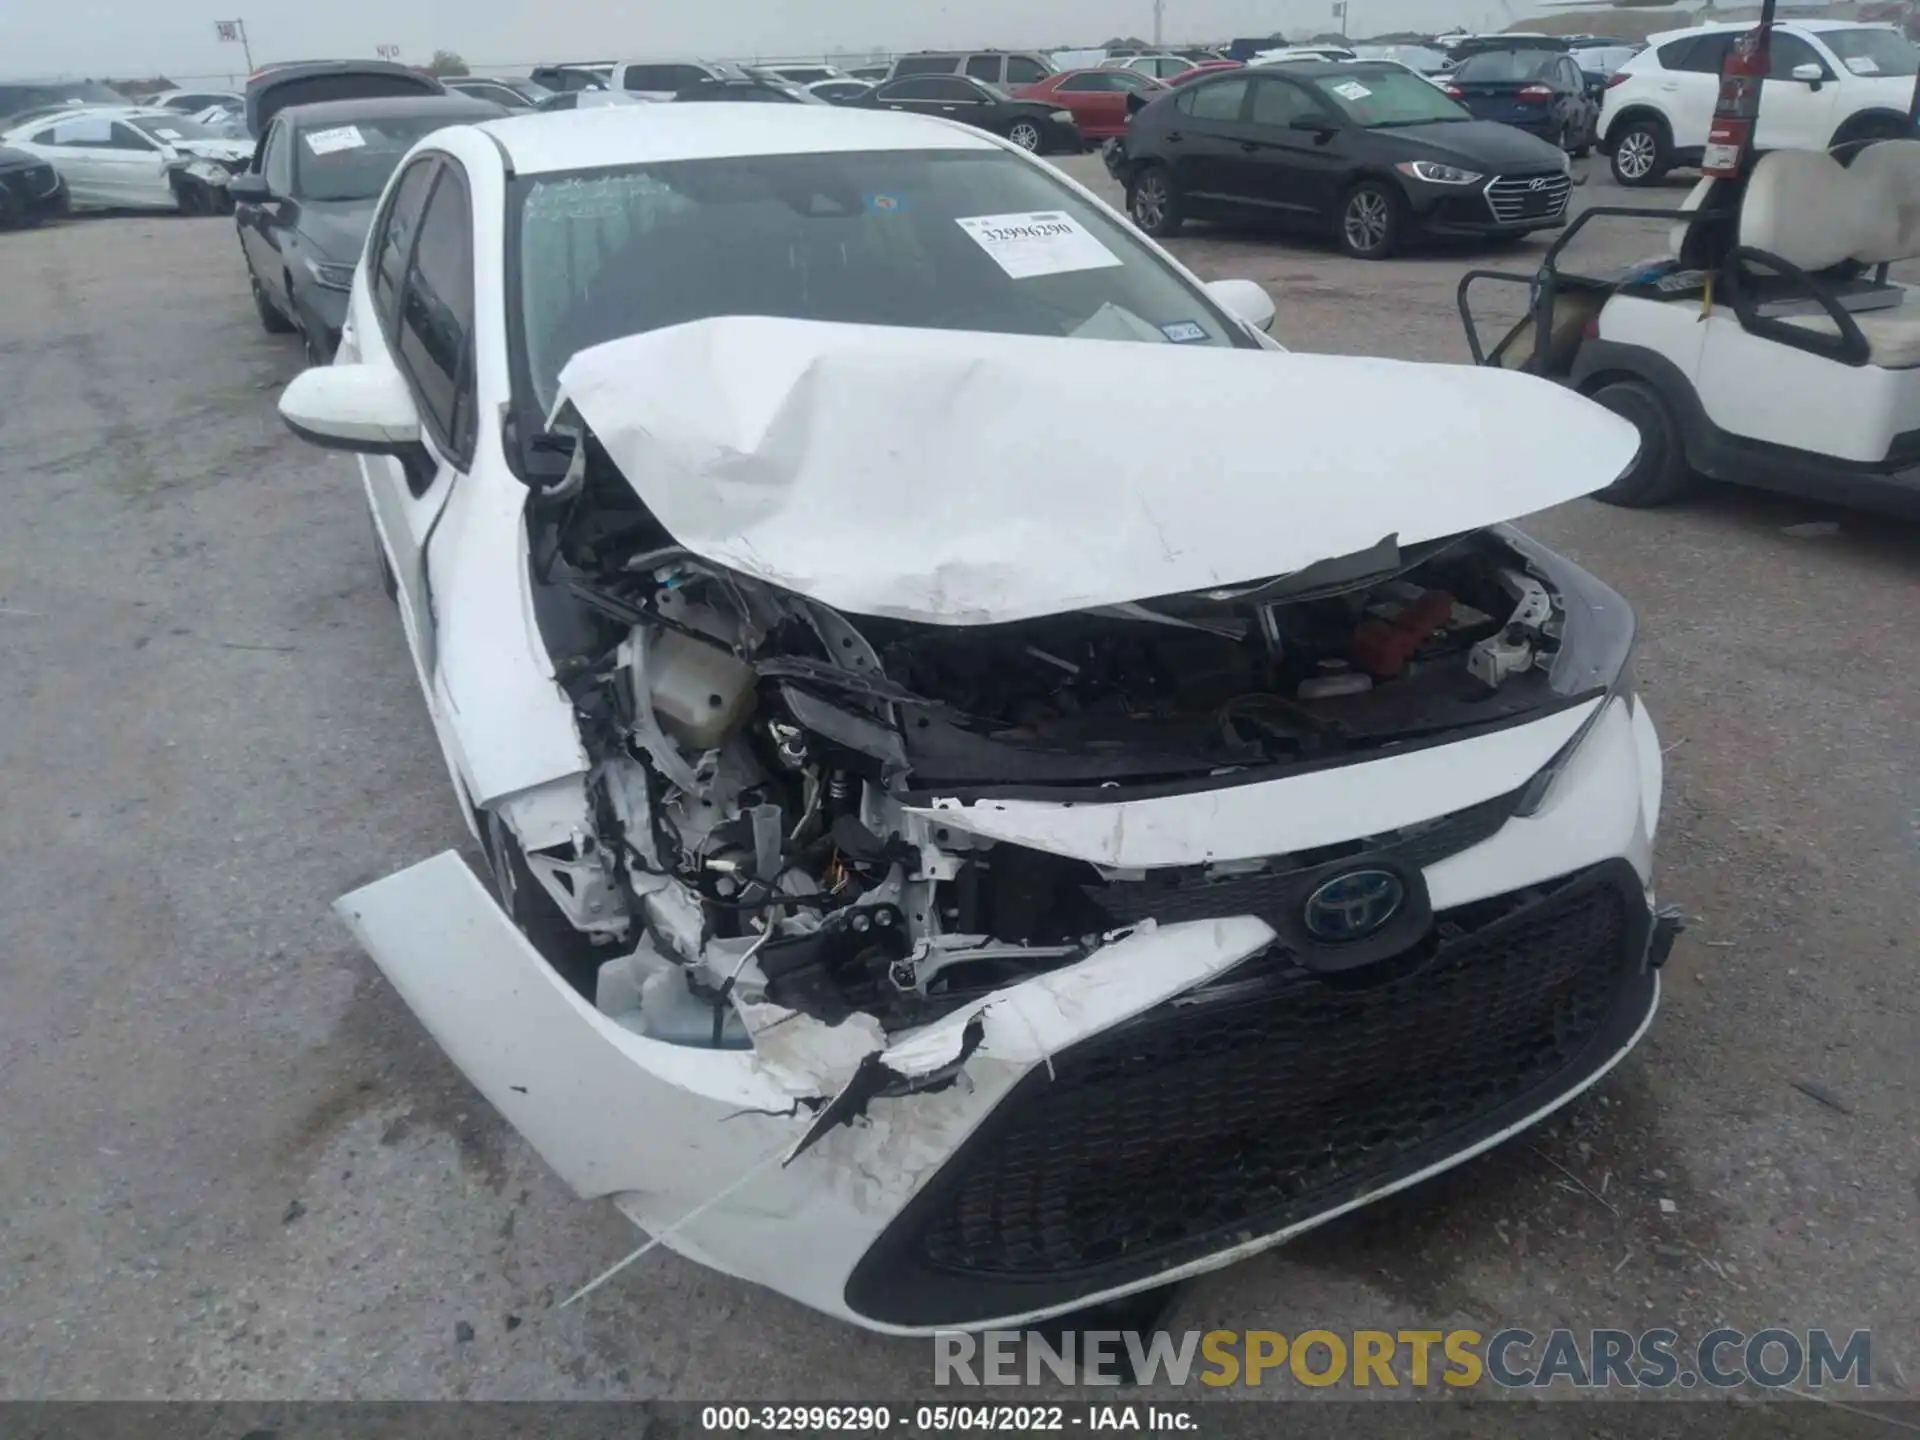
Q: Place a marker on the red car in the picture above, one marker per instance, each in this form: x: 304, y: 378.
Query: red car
x: 1204, y: 67
x: 1097, y: 98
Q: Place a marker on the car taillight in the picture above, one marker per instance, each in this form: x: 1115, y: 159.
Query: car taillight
x: 1453, y: 90
x: 1535, y: 92
x: 1619, y: 77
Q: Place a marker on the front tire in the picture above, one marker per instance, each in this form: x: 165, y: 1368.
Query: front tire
x: 1025, y: 134
x: 1659, y: 472
x: 1641, y: 154
x: 1372, y: 217
x: 271, y: 320
x: 1153, y: 202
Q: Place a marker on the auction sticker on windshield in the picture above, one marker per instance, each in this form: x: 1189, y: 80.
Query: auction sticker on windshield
x: 1352, y: 90
x: 341, y: 137
x: 1043, y: 242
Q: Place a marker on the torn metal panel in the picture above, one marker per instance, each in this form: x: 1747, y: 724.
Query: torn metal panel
x: 776, y: 448
x: 1230, y: 822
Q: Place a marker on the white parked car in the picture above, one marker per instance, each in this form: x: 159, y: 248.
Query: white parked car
x: 664, y: 79
x: 1285, y: 53
x: 192, y: 102
x: 1828, y: 82
x: 967, y: 839
x: 805, y: 75
x: 1154, y: 67
x: 136, y: 158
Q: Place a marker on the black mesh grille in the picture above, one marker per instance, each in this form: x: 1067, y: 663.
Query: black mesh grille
x: 1274, y: 1096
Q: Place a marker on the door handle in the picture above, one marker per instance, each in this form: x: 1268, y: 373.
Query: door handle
x: 1248, y: 146
x: 1174, y: 135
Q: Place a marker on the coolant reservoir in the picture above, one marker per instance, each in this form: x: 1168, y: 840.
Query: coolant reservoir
x: 699, y: 692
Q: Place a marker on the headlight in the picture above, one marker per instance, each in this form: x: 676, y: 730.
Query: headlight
x: 1062, y: 117
x: 1596, y: 650
x: 1438, y: 174
x: 1541, y: 785
x: 329, y: 277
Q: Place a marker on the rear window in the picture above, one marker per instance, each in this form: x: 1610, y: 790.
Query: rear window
x: 1499, y: 65
x: 1873, y: 51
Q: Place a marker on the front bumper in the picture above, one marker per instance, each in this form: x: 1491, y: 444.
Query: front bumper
x: 34, y: 193
x: 1502, y: 205
x: 319, y: 312
x: 1179, y: 1099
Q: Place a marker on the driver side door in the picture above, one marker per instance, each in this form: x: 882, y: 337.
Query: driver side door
x: 416, y: 314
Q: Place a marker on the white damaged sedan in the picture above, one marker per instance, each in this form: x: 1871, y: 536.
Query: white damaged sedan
x: 978, y: 827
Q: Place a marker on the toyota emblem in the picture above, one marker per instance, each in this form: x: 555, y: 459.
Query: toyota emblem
x: 1354, y: 905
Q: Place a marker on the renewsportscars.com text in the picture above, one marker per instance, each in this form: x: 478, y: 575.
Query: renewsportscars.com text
x: 1653, y: 1359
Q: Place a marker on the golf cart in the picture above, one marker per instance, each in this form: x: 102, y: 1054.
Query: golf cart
x: 1769, y: 346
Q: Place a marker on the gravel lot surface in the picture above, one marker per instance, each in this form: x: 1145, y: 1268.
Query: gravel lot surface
x: 232, y: 1164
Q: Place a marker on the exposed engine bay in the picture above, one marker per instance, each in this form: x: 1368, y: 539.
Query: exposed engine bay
x: 763, y: 764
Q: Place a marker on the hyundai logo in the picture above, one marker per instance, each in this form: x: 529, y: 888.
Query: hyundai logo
x: 1354, y: 905
x: 1539, y: 182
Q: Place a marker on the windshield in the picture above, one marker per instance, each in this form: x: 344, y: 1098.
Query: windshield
x: 944, y: 240
x: 1504, y: 65
x: 1376, y: 99
x: 352, y: 162
x: 1872, y: 51
x: 169, y: 128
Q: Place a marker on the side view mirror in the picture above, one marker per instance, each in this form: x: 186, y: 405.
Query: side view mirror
x: 1317, y: 125
x: 1244, y: 300
x: 366, y: 409
x: 249, y: 189
x: 1809, y: 73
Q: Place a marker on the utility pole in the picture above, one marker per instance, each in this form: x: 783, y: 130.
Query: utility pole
x: 1159, y: 13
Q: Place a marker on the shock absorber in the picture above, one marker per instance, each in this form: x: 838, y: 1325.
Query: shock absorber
x: 842, y: 793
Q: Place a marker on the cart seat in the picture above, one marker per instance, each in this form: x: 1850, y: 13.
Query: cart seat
x: 1823, y: 218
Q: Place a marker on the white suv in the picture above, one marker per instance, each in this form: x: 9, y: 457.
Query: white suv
x: 1828, y: 81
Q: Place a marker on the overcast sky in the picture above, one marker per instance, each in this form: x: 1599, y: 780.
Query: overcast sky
x: 176, y: 37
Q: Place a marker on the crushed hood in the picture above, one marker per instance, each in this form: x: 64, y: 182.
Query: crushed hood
x: 963, y: 478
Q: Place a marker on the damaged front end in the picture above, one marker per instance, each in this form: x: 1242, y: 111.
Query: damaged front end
x: 939, y: 966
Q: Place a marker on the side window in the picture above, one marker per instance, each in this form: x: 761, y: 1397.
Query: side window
x: 278, y: 165
x: 1087, y: 82
x: 1277, y: 104
x: 435, y: 330
x: 1126, y: 80
x: 1220, y: 101
x: 984, y: 67
x: 955, y: 91
x: 395, y: 245
x: 125, y: 137
x: 1706, y: 54
x: 1022, y: 71
x: 649, y: 77
x: 1785, y: 51
x: 924, y: 65
x: 1673, y: 55
x: 922, y: 88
